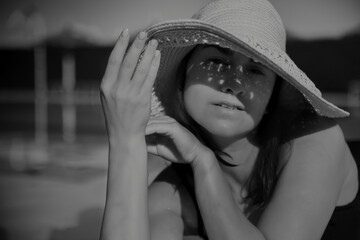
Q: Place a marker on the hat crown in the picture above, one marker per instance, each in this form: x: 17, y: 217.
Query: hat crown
x: 256, y: 18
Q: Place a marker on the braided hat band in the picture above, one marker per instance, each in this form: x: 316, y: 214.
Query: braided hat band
x: 251, y: 27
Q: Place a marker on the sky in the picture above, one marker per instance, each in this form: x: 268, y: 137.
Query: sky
x: 104, y: 19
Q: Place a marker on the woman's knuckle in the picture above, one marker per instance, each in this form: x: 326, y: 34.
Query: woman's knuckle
x: 141, y: 71
x: 105, y: 90
x: 138, y: 45
x: 127, y: 64
x: 104, y: 84
x: 113, y: 60
x: 102, y: 88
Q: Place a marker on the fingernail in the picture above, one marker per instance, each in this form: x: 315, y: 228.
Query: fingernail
x: 142, y: 35
x: 153, y: 42
x: 125, y: 32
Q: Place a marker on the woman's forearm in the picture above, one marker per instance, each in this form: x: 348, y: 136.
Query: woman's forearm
x: 126, y: 208
x: 222, y: 217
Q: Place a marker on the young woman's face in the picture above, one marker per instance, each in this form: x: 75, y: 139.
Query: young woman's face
x: 226, y: 92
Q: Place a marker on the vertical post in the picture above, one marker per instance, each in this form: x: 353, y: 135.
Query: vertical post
x: 68, y: 108
x: 36, y: 27
x: 41, y: 101
x: 38, y: 157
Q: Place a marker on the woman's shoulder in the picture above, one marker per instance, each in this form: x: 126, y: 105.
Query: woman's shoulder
x: 321, y: 141
x: 324, y: 141
x: 317, y: 134
x: 314, y: 178
x: 323, y: 147
x: 319, y: 138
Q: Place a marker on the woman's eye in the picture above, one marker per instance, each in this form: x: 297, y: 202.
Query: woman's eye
x: 255, y: 70
x: 217, y: 61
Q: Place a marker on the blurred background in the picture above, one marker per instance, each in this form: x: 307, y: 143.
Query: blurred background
x: 53, y: 152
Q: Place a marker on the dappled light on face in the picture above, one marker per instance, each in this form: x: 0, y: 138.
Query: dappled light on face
x: 251, y: 95
x: 258, y: 89
x: 215, y: 74
x: 240, y: 68
x: 248, y: 80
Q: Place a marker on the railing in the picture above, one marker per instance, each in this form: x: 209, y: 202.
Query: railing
x: 90, y: 97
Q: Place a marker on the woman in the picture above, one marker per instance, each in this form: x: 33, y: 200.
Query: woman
x: 242, y: 142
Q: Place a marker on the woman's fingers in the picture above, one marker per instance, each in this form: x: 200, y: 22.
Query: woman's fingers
x: 163, y: 128
x: 163, y: 151
x: 162, y: 146
x: 173, y: 141
x: 163, y: 125
x: 144, y: 66
x: 116, y: 57
x: 131, y: 58
x: 125, y: 66
x: 151, y: 76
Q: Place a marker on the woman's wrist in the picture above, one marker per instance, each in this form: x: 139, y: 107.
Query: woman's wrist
x: 117, y: 137
x: 127, y: 148
x: 204, y: 162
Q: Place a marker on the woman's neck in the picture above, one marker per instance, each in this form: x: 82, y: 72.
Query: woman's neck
x: 241, y: 158
x: 238, y: 155
x: 236, y: 150
x: 237, y: 166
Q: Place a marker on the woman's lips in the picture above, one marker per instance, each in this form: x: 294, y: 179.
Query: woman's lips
x: 229, y: 105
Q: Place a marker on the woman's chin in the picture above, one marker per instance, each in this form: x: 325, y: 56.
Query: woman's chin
x: 229, y: 131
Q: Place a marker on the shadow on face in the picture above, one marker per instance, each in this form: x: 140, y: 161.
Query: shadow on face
x: 216, y: 75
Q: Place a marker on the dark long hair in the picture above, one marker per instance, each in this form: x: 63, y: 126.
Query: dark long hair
x: 262, y: 180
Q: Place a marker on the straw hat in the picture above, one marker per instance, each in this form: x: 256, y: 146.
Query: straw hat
x: 251, y: 27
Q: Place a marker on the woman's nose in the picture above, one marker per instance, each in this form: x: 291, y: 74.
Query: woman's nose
x: 234, y: 86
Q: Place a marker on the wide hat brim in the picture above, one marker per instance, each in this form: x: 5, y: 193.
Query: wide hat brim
x: 178, y: 37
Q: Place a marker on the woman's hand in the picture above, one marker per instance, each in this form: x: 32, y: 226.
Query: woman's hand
x: 127, y: 84
x: 170, y: 140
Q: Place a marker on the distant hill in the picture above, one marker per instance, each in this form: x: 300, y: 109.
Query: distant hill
x: 331, y: 64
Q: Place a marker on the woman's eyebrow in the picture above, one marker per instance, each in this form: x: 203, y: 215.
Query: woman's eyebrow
x: 256, y: 62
